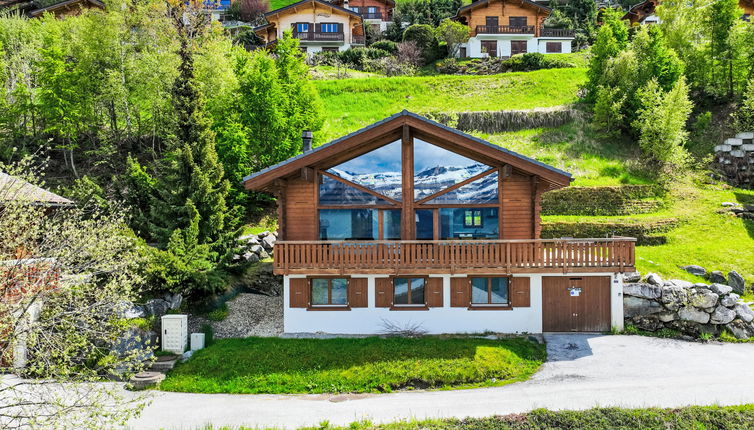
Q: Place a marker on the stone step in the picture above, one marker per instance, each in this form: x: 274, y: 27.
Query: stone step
x: 143, y: 380
x: 164, y: 363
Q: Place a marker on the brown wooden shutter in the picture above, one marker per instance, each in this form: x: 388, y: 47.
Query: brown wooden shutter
x: 459, y: 293
x: 383, y: 290
x: 357, y: 293
x: 520, y: 292
x: 434, y: 292
x: 340, y: 27
x: 299, y: 292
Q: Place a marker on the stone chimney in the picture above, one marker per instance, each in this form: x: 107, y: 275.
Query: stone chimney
x: 306, y: 140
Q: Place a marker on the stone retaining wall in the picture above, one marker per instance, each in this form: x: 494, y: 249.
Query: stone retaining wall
x: 693, y: 309
x: 603, y: 201
x: 735, y: 159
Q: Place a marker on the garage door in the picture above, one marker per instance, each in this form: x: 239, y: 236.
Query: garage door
x: 576, y: 304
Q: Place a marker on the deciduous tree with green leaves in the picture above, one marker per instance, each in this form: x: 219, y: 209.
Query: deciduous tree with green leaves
x: 453, y: 33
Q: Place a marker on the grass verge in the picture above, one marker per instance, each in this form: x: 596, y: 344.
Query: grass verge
x: 686, y: 418
x: 274, y: 366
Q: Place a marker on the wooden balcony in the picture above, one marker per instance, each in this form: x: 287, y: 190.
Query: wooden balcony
x: 556, y: 32
x: 314, y: 36
x: 373, y: 15
x: 504, y: 29
x: 455, y: 256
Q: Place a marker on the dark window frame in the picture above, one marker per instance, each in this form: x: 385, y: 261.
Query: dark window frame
x: 329, y: 304
x: 516, y: 21
x: 485, y: 49
x: 525, y: 44
x: 410, y: 305
x: 489, y: 302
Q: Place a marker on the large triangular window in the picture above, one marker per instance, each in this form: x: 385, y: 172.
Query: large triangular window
x: 436, y: 169
x: 333, y: 192
x: 378, y: 170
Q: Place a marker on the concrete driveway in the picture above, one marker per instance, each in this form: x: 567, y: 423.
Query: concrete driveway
x: 583, y: 371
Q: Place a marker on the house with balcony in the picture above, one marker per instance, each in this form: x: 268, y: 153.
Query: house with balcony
x: 503, y: 28
x: 376, y: 13
x: 413, y: 222
x: 644, y: 13
x: 319, y: 26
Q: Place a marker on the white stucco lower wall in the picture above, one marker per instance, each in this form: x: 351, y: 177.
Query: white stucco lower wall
x: 533, y: 44
x: 313, y: 47
x: 370, y: 320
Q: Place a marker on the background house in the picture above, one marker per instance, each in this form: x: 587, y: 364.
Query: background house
x: 319, y: 25
x: 502, y: 28
x: 644, y: 12
x: 410, y: 221
x: 376, y: 13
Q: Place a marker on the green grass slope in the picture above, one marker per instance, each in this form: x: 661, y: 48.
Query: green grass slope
x: 272, y: 365
x: 354, y: 103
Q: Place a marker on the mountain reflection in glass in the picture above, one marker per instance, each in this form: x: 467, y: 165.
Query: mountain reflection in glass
x: 483, y: 190
x: 336, y: 193
x: 437, y: 168
x: 379, y: 170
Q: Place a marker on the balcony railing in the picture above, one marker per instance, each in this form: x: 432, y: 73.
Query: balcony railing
x: 319, y: 36
x: 455, y: 256
x: 504, y: 29
x: 357, y: 39
x: 373, y: 15
x: 557, y: 32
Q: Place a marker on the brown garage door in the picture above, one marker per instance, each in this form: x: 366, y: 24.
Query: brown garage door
x: 576, y: 303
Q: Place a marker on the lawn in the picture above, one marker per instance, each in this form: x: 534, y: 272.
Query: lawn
x: 354, y: 103
x: 686, y: 418
x: 272, y: 365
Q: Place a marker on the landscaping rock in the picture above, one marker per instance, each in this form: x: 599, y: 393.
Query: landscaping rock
x: 256, y: 249
x: 730, y: 300
x: 250, y: 257
x: 134, y: 341
x: 729, y: 204
x: 649, y: 323
x: 250, y: 239
x: 263, y: 234
x: 636, y: 306
x: 703, y: 299
x: 186, y: 355
x: 737, y: 282
x: 674, y: 297
x: 134, y: 311
x: 645, y: 291
x: 263, y: 255
x: 156, y: 307
x: 720, y: 289
x: 269, y: 242
x: 744, y: 312
x: 667, y: 316
x: 722, y: 315
x: 695, y: 270
x: 740, y: 329
x: 631, y: 277
x: 693, y: 315
x: 680, y: 283
x: 174, y: 300
x: 717, y: 277
x: 654, y: 279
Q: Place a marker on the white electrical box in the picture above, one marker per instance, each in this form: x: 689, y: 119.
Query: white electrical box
x: 197, y: 341
x: 175, y: 333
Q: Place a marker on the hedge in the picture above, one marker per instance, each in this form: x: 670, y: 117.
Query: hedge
x: 603, y: 201
x: 645, y: 232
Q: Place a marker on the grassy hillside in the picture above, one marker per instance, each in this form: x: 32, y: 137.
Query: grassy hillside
x: 354, y: 103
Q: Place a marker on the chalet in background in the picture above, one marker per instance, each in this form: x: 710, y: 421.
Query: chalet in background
x: 376, y: 13
x: 60, y: 9
x: 410, y: 221
x: 644, y: 12
x: 319, y: 26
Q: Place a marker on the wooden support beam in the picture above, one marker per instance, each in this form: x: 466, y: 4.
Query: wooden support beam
x: 307, y: 174
x: 408, y: 220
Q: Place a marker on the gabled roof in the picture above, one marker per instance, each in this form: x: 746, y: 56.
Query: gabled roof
x: 388, y: 2
x: 479, y: 3
x: 302, y: 2
x: 16, y: 189
x: 358, y: 142
x: 64, y: 4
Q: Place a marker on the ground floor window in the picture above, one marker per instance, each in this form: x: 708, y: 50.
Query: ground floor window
x: 409, y: 291
x: 490, y: 47
x: 489, y: 291
x: 518, y: 47
x: 553, y: 47
x: 329, y: 291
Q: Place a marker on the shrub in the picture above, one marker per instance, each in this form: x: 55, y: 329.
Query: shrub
x: 448, y: 66
x: 386, y: 45
x: 409, y: 53
x: 744, y: 116
x: 389, y: 66
x: 453, y: 33
x: 425, y: 39
x: 532, y: 61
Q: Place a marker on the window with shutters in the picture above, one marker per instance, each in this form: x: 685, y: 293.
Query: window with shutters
x: 302, y: 27
x: 409, y: 291
x: 329, y: 27
x: 329, y: 291
x: 489, y: 291
x: 518, y: 47
x: 517, y: 21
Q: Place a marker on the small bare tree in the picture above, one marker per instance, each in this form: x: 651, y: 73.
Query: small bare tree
x: 409, y: 53
x: 65, y: 277
x: 408, y: 329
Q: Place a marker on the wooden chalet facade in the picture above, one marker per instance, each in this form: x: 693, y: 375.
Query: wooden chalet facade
x: 644, y: 13
x: 502, y: 28
x: 376, y: 13
x: 410, y: 215
x: 318, y: 24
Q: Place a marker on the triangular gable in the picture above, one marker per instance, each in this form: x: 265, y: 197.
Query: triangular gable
x: 293, y: 6
x: 390, y: 129
x: 480, y: 3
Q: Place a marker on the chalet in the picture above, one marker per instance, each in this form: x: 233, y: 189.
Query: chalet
x: 13, y: 189
x: 60, y: 9
x: 376, y: 13
x: 644, y: 12
x: 319, y: 25
x: 502, y: 28
x: 410, y: 221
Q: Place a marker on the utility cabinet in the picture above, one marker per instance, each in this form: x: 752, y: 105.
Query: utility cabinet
x: 175, y: 333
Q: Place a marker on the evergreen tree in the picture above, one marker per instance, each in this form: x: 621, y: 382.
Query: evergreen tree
x: 723, y: 16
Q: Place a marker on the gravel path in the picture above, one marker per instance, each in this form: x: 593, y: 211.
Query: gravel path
x: 248, y: 315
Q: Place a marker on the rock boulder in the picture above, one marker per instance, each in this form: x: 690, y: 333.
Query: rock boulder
x: 722, y: 315
x: 695, y: 270
x: 636, y: 306
x: 693, y: 315
x: 737, y: 282
x: 643, y: 290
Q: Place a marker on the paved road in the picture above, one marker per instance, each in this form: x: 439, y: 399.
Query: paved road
x: 583, y: 371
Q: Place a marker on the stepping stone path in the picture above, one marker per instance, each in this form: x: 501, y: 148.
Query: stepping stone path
x: 156, y: 374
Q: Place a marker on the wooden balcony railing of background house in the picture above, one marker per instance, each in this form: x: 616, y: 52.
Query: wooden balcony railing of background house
x: 357, y: 39
x: 373, y: 15
x: 556, y: 32
x: 455, y: 256
x: 312, y: 36
x: 504, y: 29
